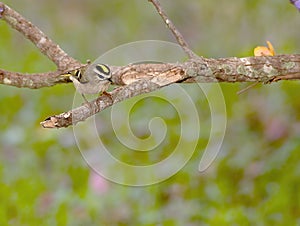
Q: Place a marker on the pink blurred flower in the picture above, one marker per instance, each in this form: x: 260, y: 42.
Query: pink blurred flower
x: 276, y: 129
x: 98, y: 184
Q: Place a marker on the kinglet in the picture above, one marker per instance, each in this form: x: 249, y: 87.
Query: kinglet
x: 95, y: 79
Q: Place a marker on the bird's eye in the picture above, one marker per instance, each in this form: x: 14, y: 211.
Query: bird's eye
x: 103, y: 71
x: 77, y: 73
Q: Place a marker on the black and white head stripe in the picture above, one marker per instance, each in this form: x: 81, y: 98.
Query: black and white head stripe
x: 102, y: 71
x: 78, y: 74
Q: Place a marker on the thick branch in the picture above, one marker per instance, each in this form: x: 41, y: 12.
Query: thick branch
x: 144, y: 78
x: 88, y: 109
x: 232, y: 69
x: 248, y: 69
x: 32, y: 81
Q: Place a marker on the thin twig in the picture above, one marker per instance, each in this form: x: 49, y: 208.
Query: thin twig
x: 294, y: 76
x: 247, y: 88
x: 181, y: 41
x: 38, y: 38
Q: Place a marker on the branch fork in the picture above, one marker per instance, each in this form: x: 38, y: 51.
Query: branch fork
x: 137, y: 79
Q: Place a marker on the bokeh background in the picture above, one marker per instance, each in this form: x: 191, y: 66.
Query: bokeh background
x: 254, y: 180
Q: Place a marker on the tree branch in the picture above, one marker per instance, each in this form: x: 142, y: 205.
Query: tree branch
x: 136, y: 79
x: 62, y: 60
x: 179, y: 37
x: 32, y: 81
x: 83, y: 112
x: 144, y: 78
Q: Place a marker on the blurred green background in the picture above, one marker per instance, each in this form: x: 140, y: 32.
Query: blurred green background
x: 255, y: 180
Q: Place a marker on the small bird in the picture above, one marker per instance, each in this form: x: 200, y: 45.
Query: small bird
x: 95, y: 79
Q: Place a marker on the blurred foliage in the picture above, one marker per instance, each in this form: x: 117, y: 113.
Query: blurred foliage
x: 253, y: 181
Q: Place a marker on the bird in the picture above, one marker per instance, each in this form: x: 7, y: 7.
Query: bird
x: 95, y: 79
